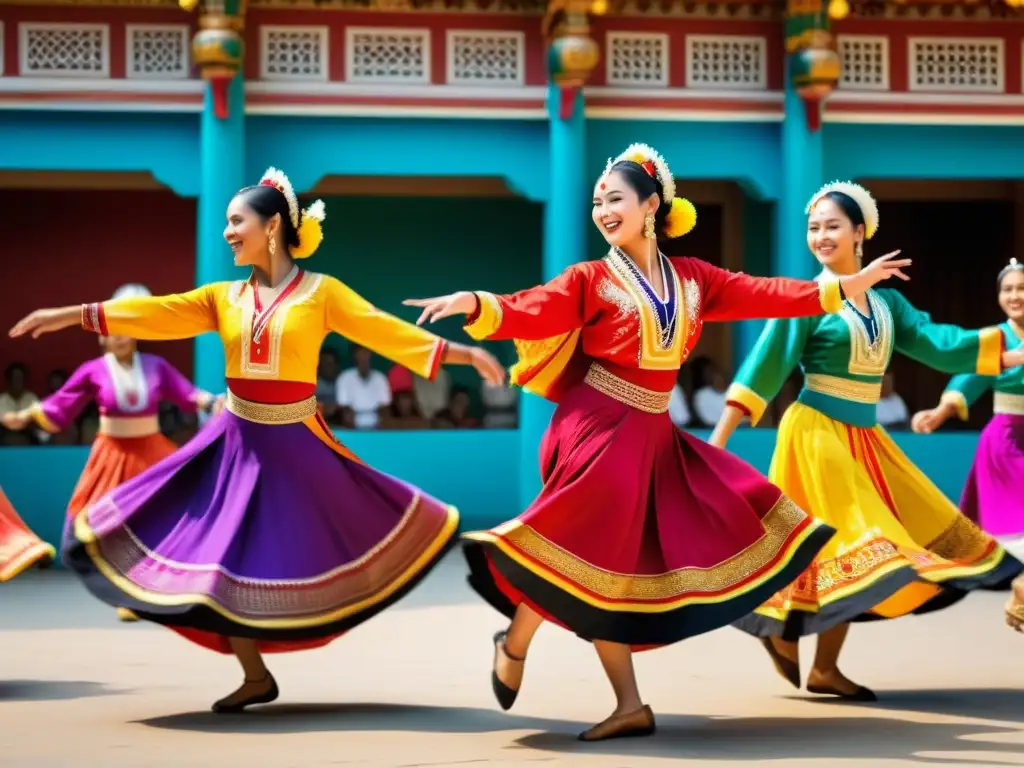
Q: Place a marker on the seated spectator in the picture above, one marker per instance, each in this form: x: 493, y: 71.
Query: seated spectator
x: 501, y: 403
x: 16, y: 396
x: 327, y: 372
x: 891, y: 411
x: 709, y: 395
x: 362, y: 392
x: 456, y: 415
x: 403, y: 413
x: 432, y: 396
x: 55, y: 380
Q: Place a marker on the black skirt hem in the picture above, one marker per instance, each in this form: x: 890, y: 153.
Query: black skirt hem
x: 857, y: 607
x: 630, y: 628
x: 206, y: 619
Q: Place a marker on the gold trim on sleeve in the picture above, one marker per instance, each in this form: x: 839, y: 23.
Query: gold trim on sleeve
x: 42, y: 420
x: 745, y: 397
x: 958, y: 401
x: 990, y: 351
x: 488, y: 319
x: 830, y: 295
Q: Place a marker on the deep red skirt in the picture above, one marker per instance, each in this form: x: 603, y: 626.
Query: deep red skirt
x: 642, y: 534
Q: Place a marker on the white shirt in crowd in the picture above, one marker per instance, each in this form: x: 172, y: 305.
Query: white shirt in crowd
x: 892, y: 410
x: 10, y: 404
x: 678, y: 410
x: 709, y: 404
x: 364, y: 396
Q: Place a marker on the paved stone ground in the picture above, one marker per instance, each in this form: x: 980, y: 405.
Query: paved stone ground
x: 410, y: 688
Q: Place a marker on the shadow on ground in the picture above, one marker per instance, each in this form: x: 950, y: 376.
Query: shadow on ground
x: 1002, y: 704
x: 885, y: 737
x: 308, y: 718
x: 52, y: 690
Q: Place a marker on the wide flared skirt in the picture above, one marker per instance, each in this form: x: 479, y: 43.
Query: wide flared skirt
x: 270, y: 532
x: 642, y: 534
x: 114, y: 460
x: 993, y: 496
x: 902, y: 547
x: 20, y: 549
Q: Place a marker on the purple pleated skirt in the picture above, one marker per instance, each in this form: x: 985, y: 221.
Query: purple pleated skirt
x: 994, y: 494
x: 270, y: 532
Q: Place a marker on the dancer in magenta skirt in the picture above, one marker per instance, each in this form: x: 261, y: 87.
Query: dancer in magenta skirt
x: 643, y: 535
x: 994, y: 495
x: 263, y: 534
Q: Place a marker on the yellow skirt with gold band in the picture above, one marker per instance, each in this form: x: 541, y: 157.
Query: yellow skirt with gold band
x: 901, y: 546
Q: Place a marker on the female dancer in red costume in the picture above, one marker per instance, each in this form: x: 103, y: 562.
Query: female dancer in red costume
x: 642, y: 535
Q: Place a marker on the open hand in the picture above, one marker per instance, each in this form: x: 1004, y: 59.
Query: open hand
x: 440, y: 307
x: 926, y: 422
x: 45, y: 321
x: 885, y: 267
x: 487, y: 366
x: 1014, y: 357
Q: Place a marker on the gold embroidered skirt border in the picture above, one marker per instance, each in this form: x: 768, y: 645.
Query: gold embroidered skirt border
x: 633, y: 395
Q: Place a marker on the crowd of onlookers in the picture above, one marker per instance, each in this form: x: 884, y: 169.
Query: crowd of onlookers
x: 364, y: 397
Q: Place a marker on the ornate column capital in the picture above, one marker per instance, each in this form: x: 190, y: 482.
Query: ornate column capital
x: 813, y: 66
x: 218, y: 47
x: 572, y: 53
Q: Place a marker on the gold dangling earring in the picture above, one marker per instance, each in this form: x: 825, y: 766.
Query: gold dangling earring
x: 858, y: 251
x: 649, y: 226
x: 272, y: 245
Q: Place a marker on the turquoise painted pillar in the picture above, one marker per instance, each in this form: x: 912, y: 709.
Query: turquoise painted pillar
x: 565, y: 243
x: 222, y: 156
x: 802, y: 176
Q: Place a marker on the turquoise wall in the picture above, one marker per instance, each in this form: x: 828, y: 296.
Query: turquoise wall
x: 475, y: 470
x: 390, y: 249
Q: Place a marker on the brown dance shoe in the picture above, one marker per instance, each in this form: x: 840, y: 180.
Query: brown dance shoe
x: 639, y: 722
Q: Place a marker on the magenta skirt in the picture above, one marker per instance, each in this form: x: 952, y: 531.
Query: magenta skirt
x: 994, y: 494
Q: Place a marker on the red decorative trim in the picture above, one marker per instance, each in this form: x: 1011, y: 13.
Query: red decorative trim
x: 219, y: 91
x: 739, y: 406
x: 271, y: 391
x: 567, y: 102
x: 436, y: 358
x: 812, y: 114
x: 473, y: 316
x: 94, y: 319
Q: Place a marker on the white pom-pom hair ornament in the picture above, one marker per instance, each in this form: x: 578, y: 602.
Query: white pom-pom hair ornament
x: 277, y: 179
x: 859, y: 195
x: 642, y: 154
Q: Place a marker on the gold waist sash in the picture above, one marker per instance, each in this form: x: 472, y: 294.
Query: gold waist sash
x: 129, y: 426
x: 271, y: 413
x: 1007, y: 404
x: 633, y: 395
x: 866, y: 392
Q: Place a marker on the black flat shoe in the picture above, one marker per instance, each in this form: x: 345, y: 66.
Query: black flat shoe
x: 790, y: 670
x: 223, y: 707
x: 506, y: 696
x: 861, y: 694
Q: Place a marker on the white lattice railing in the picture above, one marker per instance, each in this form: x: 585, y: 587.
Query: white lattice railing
x: 63, y: 50
x: 637, y: 59
x: 157, y: 51
x: 960, y: 64
x: 726, y: 62
x: 865, y: 62
x: 387, y: 55
x: 294, y: 53
x: 485, y: 57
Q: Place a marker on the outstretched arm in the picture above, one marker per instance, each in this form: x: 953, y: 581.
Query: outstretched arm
x: 158, y: 318
x: 776, y: 354
x: 532, y: 314
x: 422, y: 352
x: 949, y: 348
x: 738, y: 296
